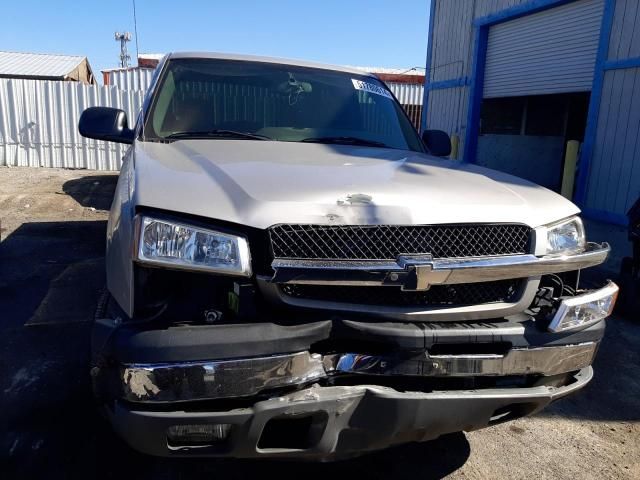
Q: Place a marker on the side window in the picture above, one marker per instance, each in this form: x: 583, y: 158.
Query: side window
x: 163, y: 103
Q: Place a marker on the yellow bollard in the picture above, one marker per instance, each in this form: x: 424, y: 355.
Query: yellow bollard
x: 455, y: 143
x: 569, y: 173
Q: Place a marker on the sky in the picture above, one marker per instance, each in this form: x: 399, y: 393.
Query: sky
x: 348, y: 32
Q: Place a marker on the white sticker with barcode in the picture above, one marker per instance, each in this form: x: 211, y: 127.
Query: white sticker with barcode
x: 370, y: 87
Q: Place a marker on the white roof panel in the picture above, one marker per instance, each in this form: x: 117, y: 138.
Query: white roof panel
x: 37, y: 64
x: 391, y: 71
x: 151, y: 56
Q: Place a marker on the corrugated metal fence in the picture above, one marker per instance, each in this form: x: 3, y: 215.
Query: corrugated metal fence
x: 408, y: 94
x: 39, y: 124
x: 410, y: 97
x: 131, y: 79
x: 140, y: 79
x: 39, y: 120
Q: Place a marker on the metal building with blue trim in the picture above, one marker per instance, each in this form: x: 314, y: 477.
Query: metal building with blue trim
x: 521, y: 84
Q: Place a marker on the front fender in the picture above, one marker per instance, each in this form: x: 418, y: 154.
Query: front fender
x: 120, y: 237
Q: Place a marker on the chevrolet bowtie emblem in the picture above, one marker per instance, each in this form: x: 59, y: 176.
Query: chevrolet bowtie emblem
x: 420, y: 273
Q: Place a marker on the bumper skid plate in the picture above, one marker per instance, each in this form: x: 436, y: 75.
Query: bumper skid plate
x: 333, y: 422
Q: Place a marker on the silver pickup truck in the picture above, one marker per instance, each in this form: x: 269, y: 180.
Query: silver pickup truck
x: 294, y: 272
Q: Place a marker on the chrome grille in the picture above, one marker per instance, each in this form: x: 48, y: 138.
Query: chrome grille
x: 437, y: 295
x: 387, y: 242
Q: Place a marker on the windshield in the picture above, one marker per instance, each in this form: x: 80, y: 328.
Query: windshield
x: 223, y: 99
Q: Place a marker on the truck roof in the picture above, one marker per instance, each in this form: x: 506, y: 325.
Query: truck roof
x: 257, y: 58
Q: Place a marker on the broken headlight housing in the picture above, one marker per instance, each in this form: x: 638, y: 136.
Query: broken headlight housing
x: 583, y: 310
x: 176, y: 245
x: 566, y: 237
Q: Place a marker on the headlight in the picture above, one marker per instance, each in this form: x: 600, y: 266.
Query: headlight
x: 566, y: 237
x: 177, y: 245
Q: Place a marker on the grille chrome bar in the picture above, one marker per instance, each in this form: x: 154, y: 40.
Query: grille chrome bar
x: 420, y: 272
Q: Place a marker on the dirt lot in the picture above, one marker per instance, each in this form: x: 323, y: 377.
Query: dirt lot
x: 51, y: 273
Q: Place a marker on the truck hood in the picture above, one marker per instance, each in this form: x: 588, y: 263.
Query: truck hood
x: 263, y: 183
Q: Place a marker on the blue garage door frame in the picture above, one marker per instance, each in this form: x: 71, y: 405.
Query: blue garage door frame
x: 481, y: 27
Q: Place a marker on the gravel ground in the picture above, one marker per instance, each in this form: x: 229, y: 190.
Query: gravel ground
x: 51, y: 272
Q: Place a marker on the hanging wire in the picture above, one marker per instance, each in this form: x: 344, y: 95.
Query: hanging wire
x: 412, y: 69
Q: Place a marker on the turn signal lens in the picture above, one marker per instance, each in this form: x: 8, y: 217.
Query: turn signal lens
x: 584, y: 310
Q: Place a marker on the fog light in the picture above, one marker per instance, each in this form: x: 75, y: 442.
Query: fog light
x: 202, y: 435
x: 584, y: 310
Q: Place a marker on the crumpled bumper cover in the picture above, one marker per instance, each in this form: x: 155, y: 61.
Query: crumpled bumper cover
x: 346, y: 420
x: 156, y: 381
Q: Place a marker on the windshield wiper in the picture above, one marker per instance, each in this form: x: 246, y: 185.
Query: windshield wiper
x: 217, y: 133
x: 346, y: 141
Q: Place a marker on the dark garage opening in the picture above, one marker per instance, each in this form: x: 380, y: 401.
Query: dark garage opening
x: 527, y: 135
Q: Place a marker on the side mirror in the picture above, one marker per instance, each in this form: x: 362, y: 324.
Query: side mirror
x: 104, y: 123
x: 438, y: 142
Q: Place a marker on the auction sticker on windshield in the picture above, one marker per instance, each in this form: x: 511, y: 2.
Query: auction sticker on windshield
x: 370, y: 87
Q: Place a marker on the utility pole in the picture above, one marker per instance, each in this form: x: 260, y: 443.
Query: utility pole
x: 123, y: 38
x: 135, y: 29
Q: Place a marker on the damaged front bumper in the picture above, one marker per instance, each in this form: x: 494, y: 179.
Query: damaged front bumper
x: 324, y: 407
x: 212, y: 380
x: 329, y: 422
x: 250, y: 398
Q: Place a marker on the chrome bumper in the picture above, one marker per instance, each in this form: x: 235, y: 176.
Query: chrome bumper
x: 420, y: 272
x: 148, y: 383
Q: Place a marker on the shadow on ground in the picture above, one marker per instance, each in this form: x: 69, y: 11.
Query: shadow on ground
x: 51, y: 272
x: 92, y: 191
